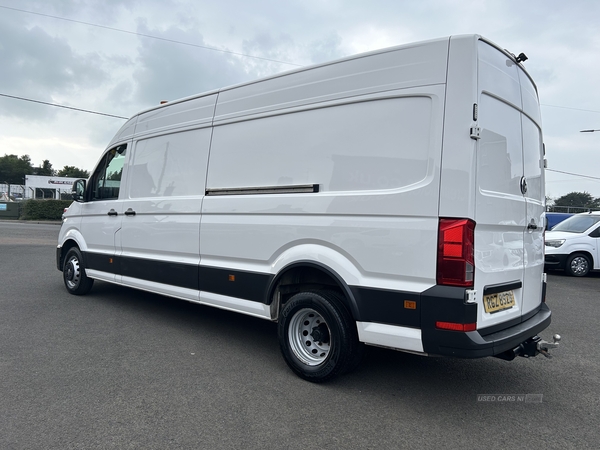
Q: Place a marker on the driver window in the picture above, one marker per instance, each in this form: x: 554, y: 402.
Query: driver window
x: 106, y: 180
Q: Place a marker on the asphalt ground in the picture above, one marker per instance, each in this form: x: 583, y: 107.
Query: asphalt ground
x: 125, y: 369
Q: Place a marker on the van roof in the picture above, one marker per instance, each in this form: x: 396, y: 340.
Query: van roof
x: 336, y: 61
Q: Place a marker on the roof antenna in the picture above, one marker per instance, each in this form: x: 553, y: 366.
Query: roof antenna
x: 522, y: 57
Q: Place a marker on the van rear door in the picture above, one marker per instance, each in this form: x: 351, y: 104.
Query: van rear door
x: 510, y: 193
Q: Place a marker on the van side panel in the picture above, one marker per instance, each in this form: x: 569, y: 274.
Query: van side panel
x: 125, y: 132
x: 376, y: 164
x: 177, y: 115
x: 366, y: 146
x: 419, y: 64
x: 160, y: 235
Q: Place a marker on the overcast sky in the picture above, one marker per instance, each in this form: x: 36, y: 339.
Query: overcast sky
x: 60, y: 60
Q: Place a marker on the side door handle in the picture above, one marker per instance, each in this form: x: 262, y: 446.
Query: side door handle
x: 112, y: 212
x: 130, y: 212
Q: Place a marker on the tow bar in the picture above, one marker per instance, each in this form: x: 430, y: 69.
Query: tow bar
x: 531, y: 347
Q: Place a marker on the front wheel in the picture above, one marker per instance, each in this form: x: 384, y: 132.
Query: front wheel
x: 318, y: 336
x: 578, y: 265
x: 76, y: 281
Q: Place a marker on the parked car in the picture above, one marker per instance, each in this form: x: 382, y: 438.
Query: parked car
x: 572, y: 245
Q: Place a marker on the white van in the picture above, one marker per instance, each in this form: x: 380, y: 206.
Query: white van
x: 393, y: 198
x: 572, y: 245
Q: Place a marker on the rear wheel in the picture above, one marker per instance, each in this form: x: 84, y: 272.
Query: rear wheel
x: 76, y: 281
x: 318, y: 336
x: 578, y: 265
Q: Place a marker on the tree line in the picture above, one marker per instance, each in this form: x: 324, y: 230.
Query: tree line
x: 14, y: 169
x: 577, y: 200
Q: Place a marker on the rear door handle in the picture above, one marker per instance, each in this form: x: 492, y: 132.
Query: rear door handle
x: 130, y: 212
x: 112, y: 212
x: 532, y: 225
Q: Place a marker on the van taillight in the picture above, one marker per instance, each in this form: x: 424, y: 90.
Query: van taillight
x: 455, y: 262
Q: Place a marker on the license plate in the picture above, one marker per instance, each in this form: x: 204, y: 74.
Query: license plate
x: 497, y: 302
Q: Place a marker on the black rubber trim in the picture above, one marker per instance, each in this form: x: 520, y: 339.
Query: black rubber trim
x: 348, y: 294
x: 439, y: 303
x: 251, y: 286
x: 473, y: 345
x: 176, y: 274
x: 233, y: 283
x: 101, y: 262
x: 444, y: 304
x: 544, y: 292
x: 502, y: 287
x: 509, y: 323
x: 59, y: 258
x: 386, y: 306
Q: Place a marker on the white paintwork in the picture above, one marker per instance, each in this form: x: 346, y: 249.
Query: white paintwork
x: 196, y: 112
x: 510, y: 148
x: 390, y: 336
x: 160, y: 288
x: 577, y: 242
x: 407, y: 66
x: 99, y: 275
x: 236, y: 304
x: 125, y: 132
x: 386, y: 137
x: 165, y: 188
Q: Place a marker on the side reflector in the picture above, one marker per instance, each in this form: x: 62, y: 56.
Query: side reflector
x: 455, y: 263
x: 410, y: 304
x: 456, y: 326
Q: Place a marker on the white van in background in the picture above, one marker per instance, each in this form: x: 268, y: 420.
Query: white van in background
x: 393, y: 198
x: 573, y: 244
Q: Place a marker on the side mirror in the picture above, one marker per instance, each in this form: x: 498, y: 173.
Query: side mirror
x: 78, y: 191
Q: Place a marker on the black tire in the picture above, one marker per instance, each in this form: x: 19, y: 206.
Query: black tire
x: 578, y: 265
x: 76, y: 281
x: 318, y: 337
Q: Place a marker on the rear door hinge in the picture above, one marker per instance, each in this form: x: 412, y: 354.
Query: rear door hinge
x: 475, y: 133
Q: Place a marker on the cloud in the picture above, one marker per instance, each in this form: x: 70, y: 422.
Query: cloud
x: 117, y: 72
x: 167, y: 71
x: 40, y: 66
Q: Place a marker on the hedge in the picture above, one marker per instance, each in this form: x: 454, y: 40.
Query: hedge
x: 44, y: 209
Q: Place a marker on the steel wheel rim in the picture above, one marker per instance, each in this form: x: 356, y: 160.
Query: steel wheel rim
x: 579, y: 265
x: 309, y: 337
x: 72, y: 272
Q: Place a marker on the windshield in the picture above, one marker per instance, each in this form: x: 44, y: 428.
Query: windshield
x: 577, y: 224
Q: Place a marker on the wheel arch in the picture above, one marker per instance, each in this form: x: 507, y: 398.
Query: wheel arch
x: 71, y: 238
x: 66, y: 246
x: 308, y: 275
x: 582, y: 252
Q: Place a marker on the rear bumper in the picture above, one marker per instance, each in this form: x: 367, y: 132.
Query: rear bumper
x: 448, y: 304
x: 473, y: 345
